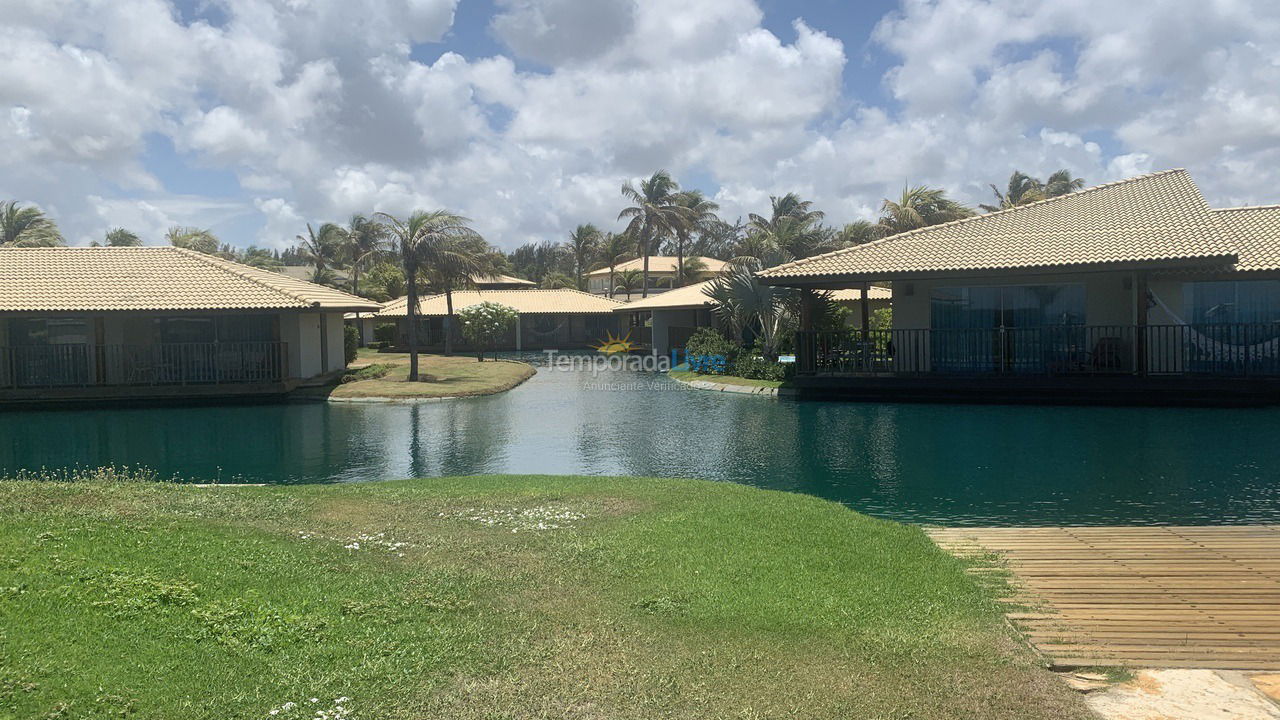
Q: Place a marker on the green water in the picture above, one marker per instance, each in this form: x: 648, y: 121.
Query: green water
x: 950, y: 464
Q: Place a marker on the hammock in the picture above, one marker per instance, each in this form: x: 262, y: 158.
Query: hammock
x: 532, y: 330
x: 1218, y: 350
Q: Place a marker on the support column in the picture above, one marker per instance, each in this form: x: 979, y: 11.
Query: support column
x: 519, y: 324
x: 1140, y: 322
x: 866, y: 311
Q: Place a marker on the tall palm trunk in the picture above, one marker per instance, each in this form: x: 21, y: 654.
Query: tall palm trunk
x: 609, y: 290
x: 448, y: 322
x: 644, y: 248
x: 679, y: 260
x: 411, y: 314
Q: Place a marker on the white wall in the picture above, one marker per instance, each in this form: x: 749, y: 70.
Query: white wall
x: 302, y: 333
x: 334, y: 329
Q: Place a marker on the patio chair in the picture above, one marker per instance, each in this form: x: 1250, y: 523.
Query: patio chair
x: 1109, y: 354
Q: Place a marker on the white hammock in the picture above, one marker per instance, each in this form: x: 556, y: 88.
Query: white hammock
x: 1218, y: 350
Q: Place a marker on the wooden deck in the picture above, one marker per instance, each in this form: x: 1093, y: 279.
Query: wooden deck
x: 1199, y: 597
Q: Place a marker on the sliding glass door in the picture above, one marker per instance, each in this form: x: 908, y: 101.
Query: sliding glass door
x: 1001, y: 329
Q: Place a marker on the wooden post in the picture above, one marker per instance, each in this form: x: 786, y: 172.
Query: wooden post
x: 806, y: 310
x: 1139, y: 322
x: 866, y: 311
x: 519, y: 322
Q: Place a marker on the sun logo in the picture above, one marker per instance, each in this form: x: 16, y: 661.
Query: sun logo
x: 611, y: 344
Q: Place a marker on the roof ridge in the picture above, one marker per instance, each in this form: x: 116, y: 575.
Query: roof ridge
x: 983, y: 216
x: 1274, y: 206
x: 230, y: 268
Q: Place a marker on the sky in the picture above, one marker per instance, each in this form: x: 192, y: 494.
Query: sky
x: 255, y: 117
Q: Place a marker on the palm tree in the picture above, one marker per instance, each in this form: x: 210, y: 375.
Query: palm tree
x: 261, y: 258
x: 918, y: 207
x: 691, y: 268
x: 584, y: 243
x: 1062, y: 183
x: 743, y: 302
x: 456, y: 266
x: 628, y: 281
x: 364, y: 242
x: 614, y: 248
x: 858, y: 232
x: 654, y: 215
x: 323, y: 250
x: 787, y: 206
x: 425, y: 239
x: 26, y: 227
x: 191, y: 238
x: 1023, y: 189
x: 700, y: 213
x: 119, y: 237
x: 556, y: 281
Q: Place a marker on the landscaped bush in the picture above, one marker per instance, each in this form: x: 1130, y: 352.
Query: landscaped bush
x: 385, y: 333
x: 350, y: 343
x: 710, y: 353
x: 368, y: 372
x: 754, y: 367
x: 485, y: 324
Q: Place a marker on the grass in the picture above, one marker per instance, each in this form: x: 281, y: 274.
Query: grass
x: 490, y: 597
x: 689, y: 375
x: 386, y: 375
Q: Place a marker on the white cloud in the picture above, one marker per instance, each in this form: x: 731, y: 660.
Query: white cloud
x: 319, y: 108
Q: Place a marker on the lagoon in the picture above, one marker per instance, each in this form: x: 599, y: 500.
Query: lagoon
x: 943, y: 464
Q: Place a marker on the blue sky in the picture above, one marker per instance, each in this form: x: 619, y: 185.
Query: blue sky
x: 254, y: 117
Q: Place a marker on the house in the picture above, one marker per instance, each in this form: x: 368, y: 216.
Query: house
x: 560, y: 319
x: 670, y: 318
x: 662, y: 272
x: 138, y: 322
x: 1133, y: 291
x: 365, y: 322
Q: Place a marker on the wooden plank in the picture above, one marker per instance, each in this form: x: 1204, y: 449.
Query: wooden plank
x: 1156, y: 596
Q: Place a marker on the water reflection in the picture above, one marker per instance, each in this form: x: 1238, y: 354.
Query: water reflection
x: 926, y: 463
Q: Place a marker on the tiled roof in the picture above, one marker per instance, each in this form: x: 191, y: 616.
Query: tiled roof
x: 660, y: 264
x: 1155, y: 217
x: 528, y: 302
x: 1257, y: 232
x: 82, y: 279
x: 689, y: 296
x: 693, y: 297
x: 484, y: 280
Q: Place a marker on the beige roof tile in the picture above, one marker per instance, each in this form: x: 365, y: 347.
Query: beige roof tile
x: 81, y: 279
x: 660, y: 264
x: 485, y: 280
x: 1154, y: 217
x: 694, y: 296
x: 1257, y: 232
x: 527, y: 302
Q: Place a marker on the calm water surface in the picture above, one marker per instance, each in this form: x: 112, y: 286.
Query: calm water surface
x: 949, y: 464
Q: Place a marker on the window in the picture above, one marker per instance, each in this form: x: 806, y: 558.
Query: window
x: 1007, y: 306
x: 1245, y: 301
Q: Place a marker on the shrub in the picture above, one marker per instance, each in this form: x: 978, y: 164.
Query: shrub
x: 483, y: 325
x: 385, y: 333
x: 710, y: 352
x: 350, y: 343
x: 368, y: 372
x: 754, y: 367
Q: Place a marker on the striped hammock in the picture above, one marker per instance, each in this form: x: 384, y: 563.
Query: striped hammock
x: 1217, y: 350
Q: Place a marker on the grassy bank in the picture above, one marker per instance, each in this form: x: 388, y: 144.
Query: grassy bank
x: 386, y: 375
x: 493, y: 597
x: 688, y: 376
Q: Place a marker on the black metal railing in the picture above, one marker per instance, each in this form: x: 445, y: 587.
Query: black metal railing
x: 1237, y: 349
x: 84, y: 365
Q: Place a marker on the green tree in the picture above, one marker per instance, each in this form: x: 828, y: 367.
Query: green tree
x: 191, y: 238
x: 743, y: 302
x: 26, y: 227
x: 584, y: 244
x: 556, y: 281
x: 919, y: 207
x: 323, y: 250
x: 1023, y: 189
x: 628, y: 281
x: 364, y: 242
x: 858, y: 232
x: 260, y: 258
x: 615, y: 248
x: 699, y: 215
x: 485, y: 324
x: 384, y: 281
x: 654, y: 214
x: 119, y: 237
x: 431, y: 240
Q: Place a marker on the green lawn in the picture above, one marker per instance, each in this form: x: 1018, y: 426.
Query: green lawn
x: 490, y: 597
x: 688, y: 375
x: 439, y: 376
